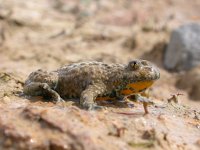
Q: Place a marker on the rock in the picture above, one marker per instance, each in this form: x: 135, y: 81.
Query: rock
x: 157, y: 52
x: 183, y: 51
x: 130, y: 42
x: 189, y: 81
x: 194, y: 93
x: 191, y: 77
x: 10, y: 83
x: 198, y: 142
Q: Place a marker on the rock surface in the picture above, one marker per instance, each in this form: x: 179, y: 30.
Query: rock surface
x: 183, y: 51
x: 48, y: 34
x: 189, y: 81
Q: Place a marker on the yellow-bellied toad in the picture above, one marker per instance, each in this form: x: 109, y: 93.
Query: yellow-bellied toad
x: 92, y: 81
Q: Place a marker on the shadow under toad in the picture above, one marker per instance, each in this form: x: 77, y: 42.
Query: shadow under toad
x: 115, y: 103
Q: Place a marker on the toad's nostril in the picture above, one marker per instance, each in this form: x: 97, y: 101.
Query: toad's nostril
x: 149, y: 69
x: 144, y: 62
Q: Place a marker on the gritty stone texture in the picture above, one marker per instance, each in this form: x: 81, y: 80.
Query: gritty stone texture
x: 35, y: 34
x: 183, y: 51
x: 89, y: 80
x: 192, y: 86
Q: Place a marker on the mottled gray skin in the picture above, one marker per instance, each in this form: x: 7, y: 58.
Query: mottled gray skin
x: 89, y: 80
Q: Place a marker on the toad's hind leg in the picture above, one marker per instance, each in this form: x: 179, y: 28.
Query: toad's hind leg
x: 88, y: 96
x: 41, y: 89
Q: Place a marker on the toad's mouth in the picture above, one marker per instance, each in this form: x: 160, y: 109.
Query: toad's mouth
x: 136, y: 87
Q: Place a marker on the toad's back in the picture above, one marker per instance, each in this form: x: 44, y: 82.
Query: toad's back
x: 73, y: 79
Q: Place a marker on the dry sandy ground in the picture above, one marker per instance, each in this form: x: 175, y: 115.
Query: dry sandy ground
x: 48, y: 34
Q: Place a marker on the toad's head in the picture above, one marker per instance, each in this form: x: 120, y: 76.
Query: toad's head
x: 139, y: 75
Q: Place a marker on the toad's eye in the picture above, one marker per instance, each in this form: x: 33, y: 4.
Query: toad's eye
x: 134, y: 65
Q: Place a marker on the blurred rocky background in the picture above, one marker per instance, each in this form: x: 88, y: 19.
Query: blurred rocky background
x: 48, y: 34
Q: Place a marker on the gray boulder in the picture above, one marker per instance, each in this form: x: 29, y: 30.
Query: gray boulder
x: 183, y: 51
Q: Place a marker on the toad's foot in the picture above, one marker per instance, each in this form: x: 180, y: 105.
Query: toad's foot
x: 92, y: 106
x: 59, y: 100
x: 54, y: 96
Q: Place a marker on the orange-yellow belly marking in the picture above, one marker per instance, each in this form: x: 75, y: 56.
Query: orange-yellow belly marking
x: 131, y: 89
x: 136, y: 87
x: 126, y: 92
x: 104, y: 98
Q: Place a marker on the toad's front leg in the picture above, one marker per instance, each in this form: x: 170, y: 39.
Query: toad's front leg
x: 89, y: 95
x: 146, y: 101
x: 143, y: 99
x: 41, y: 89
